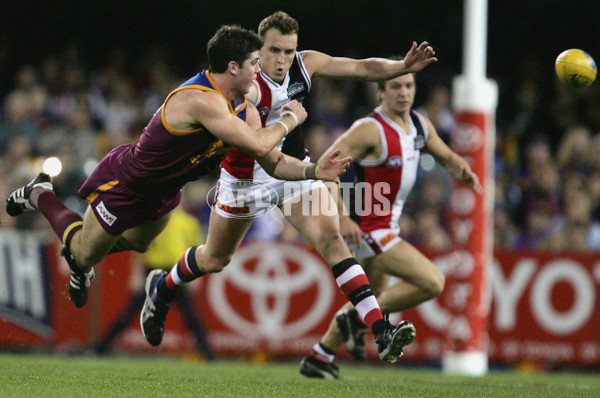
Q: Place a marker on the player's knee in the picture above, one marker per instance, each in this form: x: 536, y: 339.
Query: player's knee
x: 435, y: 287
x: 330, y: 240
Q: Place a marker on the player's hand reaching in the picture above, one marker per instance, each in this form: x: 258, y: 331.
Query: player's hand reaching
x: 350, y: 231
x: 466, y: 175
x: 330, y: 168
x: 419, y: 57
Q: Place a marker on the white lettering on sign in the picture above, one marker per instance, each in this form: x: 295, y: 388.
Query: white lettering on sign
x: 434, y: 315
x: 464, y: 264
x: 590, y: 351
x: 462, y: 230
x: 507, y: 291
x: 567, y: 322
x: 460, y: 293
x: 463, y: 201
x: 23, y: 297
x: 21, y: 276
x: 460, y: 330
x: 467, y: 137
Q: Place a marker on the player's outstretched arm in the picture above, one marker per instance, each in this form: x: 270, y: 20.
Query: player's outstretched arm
x: 373, y: 69
x: 284, y: 167
x: 456, y: 165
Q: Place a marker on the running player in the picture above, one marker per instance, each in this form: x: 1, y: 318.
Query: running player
x: 133, y: 189
x: 386, y: 147
x: 285, y: 76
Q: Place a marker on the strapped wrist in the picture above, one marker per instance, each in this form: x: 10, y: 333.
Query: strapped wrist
x: 287, y: 130
x: 292, y: 115
x: 310, y: 172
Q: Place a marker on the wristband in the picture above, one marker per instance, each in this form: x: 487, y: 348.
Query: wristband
x: 317, y: 172
x: 287, y: 130
x: 283, y: 114
x: 304, y: 171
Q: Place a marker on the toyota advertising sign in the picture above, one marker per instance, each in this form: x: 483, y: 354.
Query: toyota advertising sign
x: 276, y: 299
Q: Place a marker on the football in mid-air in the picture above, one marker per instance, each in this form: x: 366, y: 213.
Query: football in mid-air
x: 575, y: 68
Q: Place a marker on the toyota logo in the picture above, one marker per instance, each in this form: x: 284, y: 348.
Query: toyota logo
x: 257, y: 294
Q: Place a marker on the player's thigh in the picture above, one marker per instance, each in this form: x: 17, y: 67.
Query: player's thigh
x: 225, y: 234
x: 93, y: 242
x: 140, y: 237
x: 403, y: 260
x: 315, y: 216
x: 310, y: 215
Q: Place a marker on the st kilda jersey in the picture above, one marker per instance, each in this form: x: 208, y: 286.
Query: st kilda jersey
x: 271, y: 97
x: 382, y: 185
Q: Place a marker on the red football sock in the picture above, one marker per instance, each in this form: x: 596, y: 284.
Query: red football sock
x: 351, y: 278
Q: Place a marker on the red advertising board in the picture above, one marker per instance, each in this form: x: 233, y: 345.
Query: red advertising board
x: 544, y: 307
x: 277, y: 299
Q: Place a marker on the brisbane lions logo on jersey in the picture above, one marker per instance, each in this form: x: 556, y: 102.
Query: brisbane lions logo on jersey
x: 394, y: 162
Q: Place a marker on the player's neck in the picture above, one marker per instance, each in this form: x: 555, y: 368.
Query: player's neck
x: 225, y: 84
x: 277, y: 79
x: 400, y: 118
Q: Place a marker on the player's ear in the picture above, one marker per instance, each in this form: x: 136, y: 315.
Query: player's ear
x: 233, y: 67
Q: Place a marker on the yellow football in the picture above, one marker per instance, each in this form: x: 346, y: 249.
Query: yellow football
x: 575, y: 68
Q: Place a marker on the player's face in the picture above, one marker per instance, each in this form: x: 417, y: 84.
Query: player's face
x: 247, y: 72
x: 399, y: 94
x: 277, y: 54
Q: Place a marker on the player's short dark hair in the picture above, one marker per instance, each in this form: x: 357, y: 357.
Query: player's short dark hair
x: 381, y: 83
x: 231, y: 43
x: 280, y: 21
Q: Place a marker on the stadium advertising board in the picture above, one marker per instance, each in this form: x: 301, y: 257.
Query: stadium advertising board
x: 276, y: 300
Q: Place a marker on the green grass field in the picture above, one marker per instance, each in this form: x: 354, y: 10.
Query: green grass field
x: 23, y: 375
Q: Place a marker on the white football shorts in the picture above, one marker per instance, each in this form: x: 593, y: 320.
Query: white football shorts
x: 376, y: 242
x: 237, y: 198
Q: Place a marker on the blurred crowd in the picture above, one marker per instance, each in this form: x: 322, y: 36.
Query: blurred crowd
x: 547, y: 172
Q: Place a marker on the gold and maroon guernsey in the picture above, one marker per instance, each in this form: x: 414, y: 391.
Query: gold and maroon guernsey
x: 163, y: 160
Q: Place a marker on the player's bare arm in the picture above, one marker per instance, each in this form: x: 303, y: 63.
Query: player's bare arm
x: 360, y: 141
x: 252, y: 96
x: 456, y: 165
x: 284, y: 167
x: 416, y: 59
x: 196, y: 108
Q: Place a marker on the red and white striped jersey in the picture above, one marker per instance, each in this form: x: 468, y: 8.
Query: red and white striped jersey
x: 271, y: 98
x: 382, y: 185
